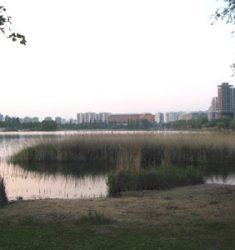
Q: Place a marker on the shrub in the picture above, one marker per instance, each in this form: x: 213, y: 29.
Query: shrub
x: 3, y: 195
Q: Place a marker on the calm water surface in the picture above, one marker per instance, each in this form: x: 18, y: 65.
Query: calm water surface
x: 36, y: 185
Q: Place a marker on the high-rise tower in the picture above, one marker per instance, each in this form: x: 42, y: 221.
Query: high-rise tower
x: 225, y: 99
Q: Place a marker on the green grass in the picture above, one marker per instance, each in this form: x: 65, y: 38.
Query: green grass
x: 69, y: 235
x: 153, y: 179
x: 94, y: 218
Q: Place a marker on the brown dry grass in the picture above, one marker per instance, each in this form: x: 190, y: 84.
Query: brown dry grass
x: 207, y: 203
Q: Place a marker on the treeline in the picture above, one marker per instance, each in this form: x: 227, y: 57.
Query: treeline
x: 14, y: 124
x: 228, y: 123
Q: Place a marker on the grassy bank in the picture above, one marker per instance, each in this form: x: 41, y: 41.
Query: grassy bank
x: 133, y: 151
x: 198, y: 217
x: 154, y: 179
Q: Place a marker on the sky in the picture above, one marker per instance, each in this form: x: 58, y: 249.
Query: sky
x: 118, y: 56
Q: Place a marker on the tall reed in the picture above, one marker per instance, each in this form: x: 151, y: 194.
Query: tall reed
x: 133, y: 151
x: 3, y: 195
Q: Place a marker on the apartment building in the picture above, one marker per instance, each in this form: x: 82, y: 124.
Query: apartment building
x: 91, y: 117
x: 171, y: 116
x: 225, y: 98
x: 159, y: 118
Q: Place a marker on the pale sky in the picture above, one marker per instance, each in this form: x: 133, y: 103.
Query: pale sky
x: 121, y: 56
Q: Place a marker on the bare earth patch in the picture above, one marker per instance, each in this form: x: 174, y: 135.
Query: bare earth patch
x: 208, y: 202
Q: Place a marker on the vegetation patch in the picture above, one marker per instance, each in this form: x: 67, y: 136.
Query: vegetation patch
x: 86, y: 237
x: 3, y: 195
x: 153, y: 179
x: 133, y: 151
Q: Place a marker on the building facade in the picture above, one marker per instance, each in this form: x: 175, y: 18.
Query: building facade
x: 159, y: 118
x: 225, y: 100
x: 103, y: 117
x: 171, y: 116
x: 123, y: 118
x: 127, y: 118
x: 193, y: 115
x: 213, y: 109
x: 91, y: 117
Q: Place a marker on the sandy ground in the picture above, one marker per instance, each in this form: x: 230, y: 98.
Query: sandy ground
x: 207, y: 202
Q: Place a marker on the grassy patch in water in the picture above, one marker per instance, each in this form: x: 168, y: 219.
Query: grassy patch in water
x: 153, y: 179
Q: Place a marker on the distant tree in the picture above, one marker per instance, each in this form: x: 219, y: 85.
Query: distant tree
x: 5, y: 27
x: 48, y: 125
x: 232, y: 124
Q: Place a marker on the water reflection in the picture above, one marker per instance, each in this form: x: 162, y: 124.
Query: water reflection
x: 74, y: 169
x: 33, y: 185
x: 221, y: 179
x: 40, y: 182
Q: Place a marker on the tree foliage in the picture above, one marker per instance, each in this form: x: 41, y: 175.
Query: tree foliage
x: 5, y: 27
x: 227, y: 12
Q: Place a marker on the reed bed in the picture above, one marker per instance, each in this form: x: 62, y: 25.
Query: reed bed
x: 133, y: 151
x: 136, y: 161
x: 3, y: 195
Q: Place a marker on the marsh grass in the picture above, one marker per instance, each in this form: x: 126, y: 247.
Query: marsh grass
x: 153, y: 179
x: 134, y: 151
x: 3, y: 195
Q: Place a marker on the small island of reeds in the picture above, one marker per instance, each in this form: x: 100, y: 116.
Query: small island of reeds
x: 144, y: 161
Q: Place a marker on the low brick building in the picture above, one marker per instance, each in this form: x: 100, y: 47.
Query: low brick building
x: 127, y: 118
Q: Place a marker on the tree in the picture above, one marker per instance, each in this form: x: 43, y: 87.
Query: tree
x: 227, y: 14
x: 48, y: 125
x: 5, y: 27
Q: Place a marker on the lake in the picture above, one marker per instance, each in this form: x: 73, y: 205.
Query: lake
x: 21, y: 183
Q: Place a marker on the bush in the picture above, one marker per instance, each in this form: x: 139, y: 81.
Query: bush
x: 3, y: 195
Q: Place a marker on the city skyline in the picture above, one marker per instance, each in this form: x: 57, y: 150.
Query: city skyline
x: 118, y: 57
x: 224, y: 103
x: 221, y: 106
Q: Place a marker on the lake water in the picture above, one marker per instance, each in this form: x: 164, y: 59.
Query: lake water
x: 40, y: 185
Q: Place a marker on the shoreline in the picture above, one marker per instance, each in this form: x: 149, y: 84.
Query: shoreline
x: 209, y: 202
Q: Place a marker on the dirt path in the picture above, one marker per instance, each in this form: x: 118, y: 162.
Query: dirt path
x: 208, y: 202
